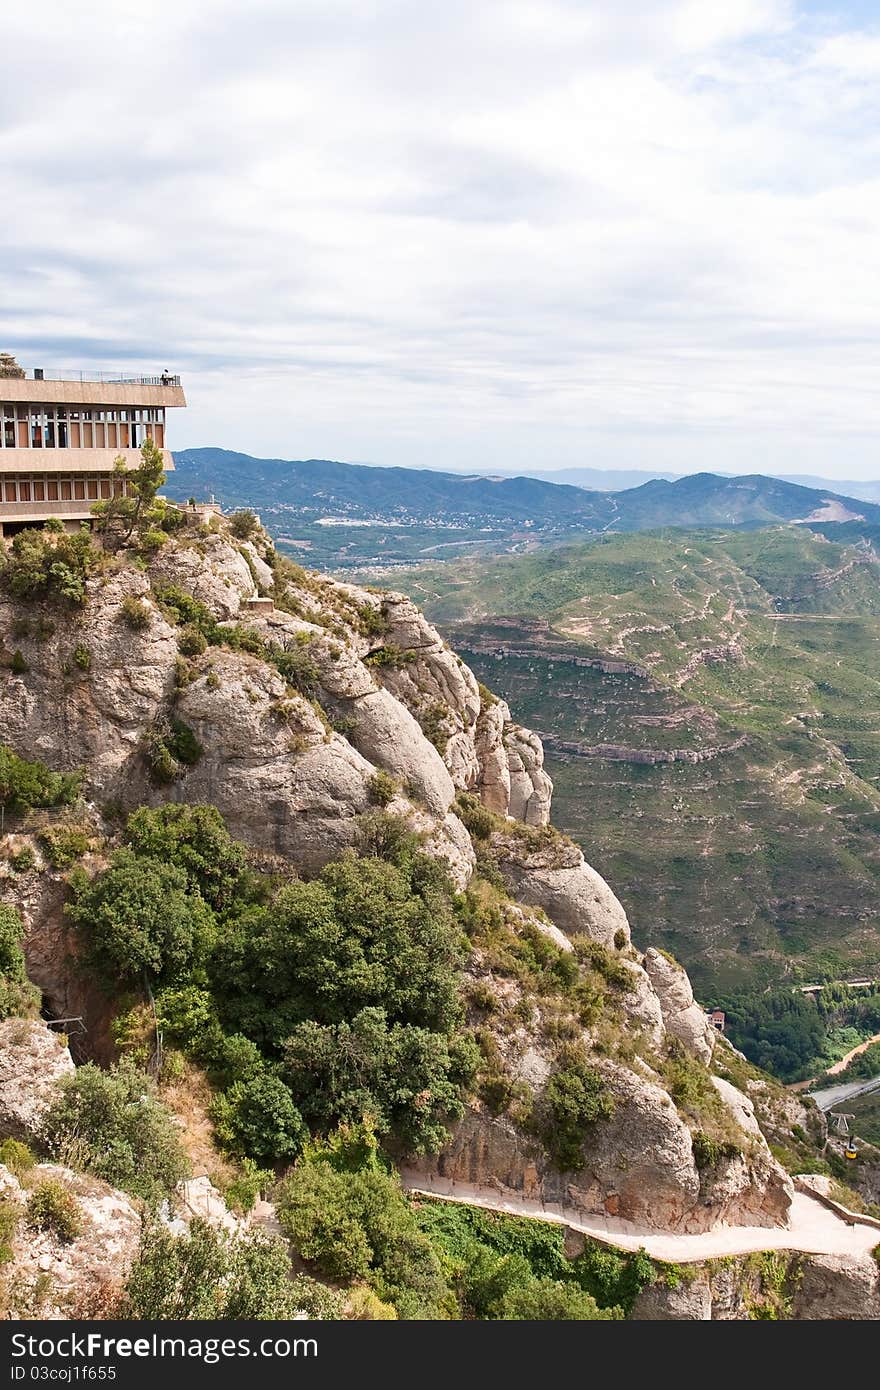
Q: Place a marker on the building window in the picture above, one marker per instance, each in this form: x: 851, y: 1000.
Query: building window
x: 79, y: 489
x: 66, y: 494
x: 92, y: 489
x: 39, y: 490
x: 51, y: 490
x: 105, y: 487
x: 24, y: 489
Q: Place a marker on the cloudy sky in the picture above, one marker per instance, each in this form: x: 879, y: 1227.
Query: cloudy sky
x: 482, y: 233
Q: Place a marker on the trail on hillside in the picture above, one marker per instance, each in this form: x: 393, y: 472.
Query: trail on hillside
x: 813, y: 1228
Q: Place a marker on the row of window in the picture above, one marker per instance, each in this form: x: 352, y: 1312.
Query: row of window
x: 61, y: 489
x: 146, y: 415
x: 76, y: 434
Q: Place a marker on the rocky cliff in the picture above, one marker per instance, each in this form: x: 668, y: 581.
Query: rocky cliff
x: 313, y: 703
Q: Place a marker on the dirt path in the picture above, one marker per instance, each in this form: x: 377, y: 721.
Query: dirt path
x: 813, y: 1228
x: 856, y: 1052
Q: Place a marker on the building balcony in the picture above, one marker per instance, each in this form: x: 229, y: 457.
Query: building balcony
x: 79, y: 390
x: 93, y: 378
x: 73, y: 461
x: 41, y: 511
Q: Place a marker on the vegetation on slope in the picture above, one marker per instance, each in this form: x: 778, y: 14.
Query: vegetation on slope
x: 723, y: 773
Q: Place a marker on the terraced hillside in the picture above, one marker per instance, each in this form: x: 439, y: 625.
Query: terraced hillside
x: 710, y: 703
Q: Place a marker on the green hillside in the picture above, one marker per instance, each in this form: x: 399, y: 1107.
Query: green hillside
x: 710, y: 703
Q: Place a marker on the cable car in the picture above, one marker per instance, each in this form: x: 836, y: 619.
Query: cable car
x: 850, y: 1151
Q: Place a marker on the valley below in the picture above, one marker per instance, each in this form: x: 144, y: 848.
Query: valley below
x: 710, y: 708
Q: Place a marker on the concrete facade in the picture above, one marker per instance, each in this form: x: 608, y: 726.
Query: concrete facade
x: 60, y: 440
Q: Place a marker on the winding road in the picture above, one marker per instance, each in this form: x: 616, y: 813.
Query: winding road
x: 813, y: 1228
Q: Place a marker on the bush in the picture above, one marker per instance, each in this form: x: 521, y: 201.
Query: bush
x: 17, y: 1157
x: 22, y: 860
x: 192, y: 641
x: 613, y: 1277
x: 24, y: 785
x: 359, y: 1226
x: 51, y: 564
x: 257, y: 1118
x: 547, y: 1300
x: 18, y: 665
x: 134, y: 613
x: 51, y: 1207
x: 478, y: 820
x: 408, y: 1079
x: 208, y: 1275
x: 139, y: 919
x: 193, y: 838
x: 10, y: 1215
x: 364, y: 934
x: 709, y: 1152
x: 298, y: 668
x: 243, y: 524
x: 11, y: 933
x: 182, y: 608
x: 382, y: 787
x: 241, y: 1192
x: 82, y: 657
x: 575, y: 1098
x: 169, y: 746
x: 63, y: 845
x: 17, y: 997
x: 113, y: 1124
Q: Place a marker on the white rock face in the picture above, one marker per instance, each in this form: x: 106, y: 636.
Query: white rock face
x: 557, y: 878
x: 48, y: 1278
x: 530, y: 788
x: 386, y: 732
x: 209, y: 568
x: 32, y: 1062
x: 739, y: 1105
x: 643, y: 1010
x: 198, y: 1197
x: 490, y: 770
x: 683, y: 1018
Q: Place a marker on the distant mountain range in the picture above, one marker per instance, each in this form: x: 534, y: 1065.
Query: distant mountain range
x: 353, y: 514
x: 617, y: 479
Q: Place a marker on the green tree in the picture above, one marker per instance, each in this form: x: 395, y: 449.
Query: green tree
x: 359, y: 1225
x: 207, y: 1274
x: 256, y: 1118
x: 134, y: 509
x: 25, y: 785
x: 409, y: 1080
x: 575, y: 1098
x: 139, y: 919
x: 243, y: 524
x: 194, y: 839
x: 547, y: 1300
x: 17, y: 996
x: 51, y: 563
x: 364, y: 934
x: 113, y: 1124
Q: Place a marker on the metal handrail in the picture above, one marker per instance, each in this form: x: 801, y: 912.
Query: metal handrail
x: 111, y: 378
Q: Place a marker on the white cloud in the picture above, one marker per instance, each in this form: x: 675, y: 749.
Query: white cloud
x: 534, y: 232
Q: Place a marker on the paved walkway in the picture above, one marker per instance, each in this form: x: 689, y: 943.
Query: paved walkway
x: 813, y: 1228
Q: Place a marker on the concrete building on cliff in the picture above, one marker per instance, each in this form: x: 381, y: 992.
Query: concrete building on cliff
x: 62, y: 432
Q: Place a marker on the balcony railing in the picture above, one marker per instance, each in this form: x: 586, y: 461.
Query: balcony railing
x: 110, y: 378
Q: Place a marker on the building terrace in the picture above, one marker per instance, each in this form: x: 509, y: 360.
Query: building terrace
x: 61, y: 433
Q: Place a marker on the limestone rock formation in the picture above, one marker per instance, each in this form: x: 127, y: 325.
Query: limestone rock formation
x: 555, y: 876
x: 295, y: 710
x: 51, y: 1278
x: 683, y: 1018
x: 33, y: 1060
